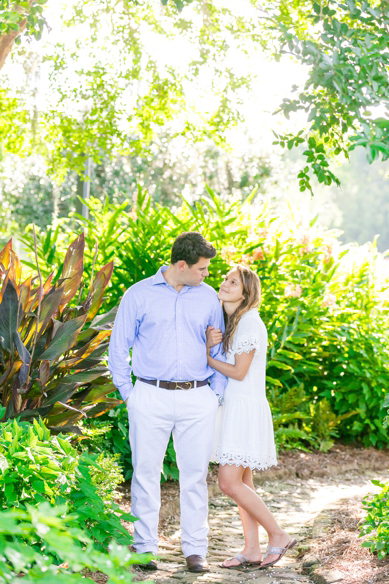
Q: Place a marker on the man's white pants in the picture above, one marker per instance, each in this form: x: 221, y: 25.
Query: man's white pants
x: 154, y: 413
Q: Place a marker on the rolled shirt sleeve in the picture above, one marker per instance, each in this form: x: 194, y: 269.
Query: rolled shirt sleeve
x: 218, y: 381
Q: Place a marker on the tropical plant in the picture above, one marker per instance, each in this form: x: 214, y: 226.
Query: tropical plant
x: 38, y: 467
x: 50, y: 361
x: 45, y: 544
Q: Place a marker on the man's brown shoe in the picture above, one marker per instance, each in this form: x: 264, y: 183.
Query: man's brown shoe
x: 150, y: 566
x: 197, y: 564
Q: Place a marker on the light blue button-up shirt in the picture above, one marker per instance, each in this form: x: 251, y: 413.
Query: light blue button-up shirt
x: 166, y: 331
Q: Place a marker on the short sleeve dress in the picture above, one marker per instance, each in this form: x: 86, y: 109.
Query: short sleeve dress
x: 244, y: 433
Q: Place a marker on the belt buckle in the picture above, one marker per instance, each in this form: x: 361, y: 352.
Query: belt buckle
x: 178, y: 386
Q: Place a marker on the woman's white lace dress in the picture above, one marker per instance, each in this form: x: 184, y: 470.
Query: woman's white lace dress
x: 244, y: 428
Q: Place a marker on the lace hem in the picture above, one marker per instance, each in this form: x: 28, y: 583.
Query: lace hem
x: 246, y: 346
x: 245, y: 461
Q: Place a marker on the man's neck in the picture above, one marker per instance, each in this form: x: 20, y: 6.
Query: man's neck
x: 171, y: 279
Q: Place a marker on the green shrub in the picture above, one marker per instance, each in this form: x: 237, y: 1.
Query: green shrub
x: 324, y: 305
x: 376, y: 523
x: 45, y: 544
x: 301, y: 422
x: 37, y: 467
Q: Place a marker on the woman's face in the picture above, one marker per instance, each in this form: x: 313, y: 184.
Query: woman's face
x: 231, y: 289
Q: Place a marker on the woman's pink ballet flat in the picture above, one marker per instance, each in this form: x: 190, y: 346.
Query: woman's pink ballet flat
x: 277, y: 550
x: 243, y: 563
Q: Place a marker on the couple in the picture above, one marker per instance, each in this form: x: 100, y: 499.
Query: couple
x: 182, y: 338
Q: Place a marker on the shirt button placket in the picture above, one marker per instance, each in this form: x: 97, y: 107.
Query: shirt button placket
x: 179, y: 340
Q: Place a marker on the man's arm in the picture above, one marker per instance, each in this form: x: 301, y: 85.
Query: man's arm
x: 122, y: 339
x: 218, y: 381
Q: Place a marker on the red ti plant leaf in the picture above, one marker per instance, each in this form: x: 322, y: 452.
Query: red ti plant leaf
x: 4, y: 286
x: 72, y: 269
x: 5, y: 255
x: 101, y: 407
x: 49, y: 307
x: 24, y: 295
x: 8, y: 316
x: 26, y: 358
x: 44, y: 373
x: 64, y: 338
x: 15, y: 269
x: 99, y: 285
x: 34, y: 297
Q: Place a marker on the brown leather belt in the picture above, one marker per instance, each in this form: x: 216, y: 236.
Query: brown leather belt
x: 175, y: 384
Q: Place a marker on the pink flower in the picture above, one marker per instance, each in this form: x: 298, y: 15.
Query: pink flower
x: 227, y: 252
x: 327, y: 253
x: 329, y: 300
x: 258, y: 254
x: 244, y: 260
x: 293, y: 291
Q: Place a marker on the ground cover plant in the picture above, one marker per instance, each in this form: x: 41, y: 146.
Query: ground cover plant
x: 37, y: 467
x: 324, y: 306
x: 375, y: 526
x: 67, y: 549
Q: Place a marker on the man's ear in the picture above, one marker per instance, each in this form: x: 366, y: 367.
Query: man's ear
x: 182, y: 265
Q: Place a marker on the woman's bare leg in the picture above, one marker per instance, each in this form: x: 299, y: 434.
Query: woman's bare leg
x: 252, y: 549
x: 250, y: 524
x: 231, y: 483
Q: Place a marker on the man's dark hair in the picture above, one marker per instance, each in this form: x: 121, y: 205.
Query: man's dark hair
x: 190, y: 247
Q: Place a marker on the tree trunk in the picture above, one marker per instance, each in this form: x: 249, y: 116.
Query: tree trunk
x: 7, y: 40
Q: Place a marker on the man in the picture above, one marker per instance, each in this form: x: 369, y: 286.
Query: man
x: 164, y: 319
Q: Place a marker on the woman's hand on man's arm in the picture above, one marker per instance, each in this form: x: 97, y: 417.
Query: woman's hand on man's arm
x: 214, y: 337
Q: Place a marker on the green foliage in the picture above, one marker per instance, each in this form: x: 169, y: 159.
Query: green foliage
x: 12, y: 16
x: 50, y: 363
x: 109, y: 438
x: 342, y: 45
x: 323, y: 305
x: 98, y: 108
x: 45, y: 544
x: 13, y: 120
x: 38, y: 467
x: 106, y: 476
x: 348, y: 75
x: 376, y: 523
x: 102, y: 519
x: 302, y: 422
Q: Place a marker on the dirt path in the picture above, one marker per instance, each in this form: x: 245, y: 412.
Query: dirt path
x: 303, y: 506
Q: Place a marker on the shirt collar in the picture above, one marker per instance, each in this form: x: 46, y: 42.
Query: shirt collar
x: 158, y: 278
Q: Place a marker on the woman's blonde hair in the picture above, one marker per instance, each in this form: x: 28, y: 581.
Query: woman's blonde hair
x: 252, y: 299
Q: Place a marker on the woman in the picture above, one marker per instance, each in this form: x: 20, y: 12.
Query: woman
x: 244, y: 438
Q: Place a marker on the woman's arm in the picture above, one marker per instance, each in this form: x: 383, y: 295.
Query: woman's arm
x: 238, y: 370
